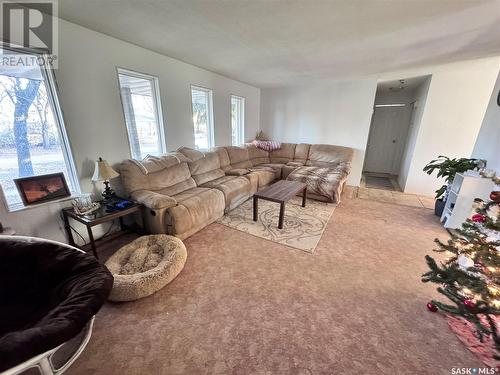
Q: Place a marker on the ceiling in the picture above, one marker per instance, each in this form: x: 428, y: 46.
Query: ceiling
x: 282, y: 43
x: 408, y: 84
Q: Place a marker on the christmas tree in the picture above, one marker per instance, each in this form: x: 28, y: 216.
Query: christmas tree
x: 470, y: 277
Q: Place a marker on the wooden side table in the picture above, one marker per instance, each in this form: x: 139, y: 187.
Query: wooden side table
x: 95, y: 218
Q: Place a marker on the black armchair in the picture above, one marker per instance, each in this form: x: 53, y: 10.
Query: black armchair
x: 49, y: 293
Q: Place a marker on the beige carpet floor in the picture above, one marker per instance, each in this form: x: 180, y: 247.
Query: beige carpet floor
x: 244, y: 305
x: 302, y: 226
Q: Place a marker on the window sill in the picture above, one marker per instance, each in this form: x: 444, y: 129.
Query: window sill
x: 21, y: 207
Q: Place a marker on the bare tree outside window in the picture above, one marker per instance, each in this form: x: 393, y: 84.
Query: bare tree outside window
x: 30, y: 136
x: 142, y: 112
x: 21, y: 93
x: 201, y: 99
x: 237, y: 120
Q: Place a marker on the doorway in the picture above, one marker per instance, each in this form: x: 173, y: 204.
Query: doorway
x: 388, y: 132
x: 391, y: 124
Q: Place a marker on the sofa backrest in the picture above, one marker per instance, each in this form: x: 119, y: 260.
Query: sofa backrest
x: 257, y: 155
x: 329, y: 155
x: 204, y: 166
x: 167, y: 174
x: 238, y: 157
x: 301, y: 152
x: 285, y: 154
x: 225, y: 163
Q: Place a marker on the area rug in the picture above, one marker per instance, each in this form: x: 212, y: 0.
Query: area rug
x: 302, y: 227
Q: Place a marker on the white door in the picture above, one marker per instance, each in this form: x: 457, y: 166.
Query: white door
x: 387, y: 138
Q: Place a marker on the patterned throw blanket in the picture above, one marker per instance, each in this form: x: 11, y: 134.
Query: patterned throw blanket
x: 322, y: 181
x: 267, y: 145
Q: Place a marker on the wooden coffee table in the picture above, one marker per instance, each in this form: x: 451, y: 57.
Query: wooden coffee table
x: 279, y: 192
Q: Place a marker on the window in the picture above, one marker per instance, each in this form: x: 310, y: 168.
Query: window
x: 33, y: 140
x: 203, y: 118
x: 237, y: 120
x: 142, y: 109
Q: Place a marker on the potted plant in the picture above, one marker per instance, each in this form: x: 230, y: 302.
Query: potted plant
x: 447, y: 168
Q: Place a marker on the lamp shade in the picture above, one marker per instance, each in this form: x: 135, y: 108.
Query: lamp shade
x: 103, y: 171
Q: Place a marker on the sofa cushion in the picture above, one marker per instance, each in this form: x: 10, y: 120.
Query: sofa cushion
x: 287, y: 169
x: 253, y: 178
x: 301, y: 152
x: 285, y: 154
x: 236, y: 189
x: 237, y: 172
x: 205, y: 166
x: 276, y: 167
x: 326, y: 182
x: 178, y: 188
x: 152, y: 164
x: 153, y: 200
x: 155, y: 173
x: 191, y: 153
x: 225, y: 163
x: 239, y: 157
x: 329, y: 155
x: 264, y: 176
x: 256, y: 155
x: 195, y: 207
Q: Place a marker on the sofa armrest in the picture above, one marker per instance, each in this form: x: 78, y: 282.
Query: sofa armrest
x: 237, y: 172
x: 153, y: 200
x: 295, y: 164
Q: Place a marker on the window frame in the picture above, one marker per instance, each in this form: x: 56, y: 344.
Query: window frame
x: 158, y: 107
x: 210, y: 115
x: 52, y: 88
x: 241, y: 126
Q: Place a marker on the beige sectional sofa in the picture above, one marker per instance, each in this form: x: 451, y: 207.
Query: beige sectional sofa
x: 186, y: 190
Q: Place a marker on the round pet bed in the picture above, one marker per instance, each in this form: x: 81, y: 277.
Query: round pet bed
x: 145, y: 265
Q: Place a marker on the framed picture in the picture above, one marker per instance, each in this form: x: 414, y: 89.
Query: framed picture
x: 44, y: 188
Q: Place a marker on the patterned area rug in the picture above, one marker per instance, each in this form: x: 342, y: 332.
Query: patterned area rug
x: 302, y: 228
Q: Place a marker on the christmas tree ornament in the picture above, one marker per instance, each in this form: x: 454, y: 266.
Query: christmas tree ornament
x: 465, y: 262
x: 432, y: 307
x: 495, y: 196
x: 478, y: 218
x: 471, y: 305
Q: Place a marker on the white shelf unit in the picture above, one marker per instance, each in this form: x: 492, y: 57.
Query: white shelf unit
x: 461, y: 197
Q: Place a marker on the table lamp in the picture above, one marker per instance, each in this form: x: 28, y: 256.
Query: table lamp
x: 103, y: 172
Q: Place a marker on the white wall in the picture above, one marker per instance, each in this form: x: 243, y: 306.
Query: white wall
x: 88, y: 91
x: 456, y: 103
x: 337, y: 113
x: 419, y: 98
x: 488, y: 142
x: 340, y: 112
